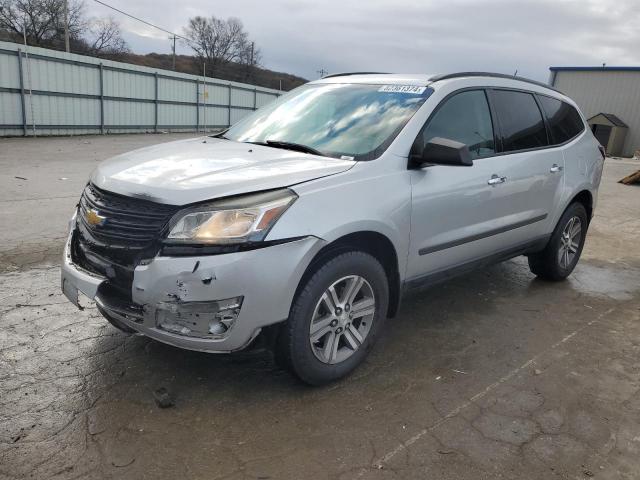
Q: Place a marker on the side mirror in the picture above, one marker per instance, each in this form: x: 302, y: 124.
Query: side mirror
x: 441, y: 151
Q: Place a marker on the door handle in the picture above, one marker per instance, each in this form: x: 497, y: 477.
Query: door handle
x: 496, y: 180
x: 555, y: 168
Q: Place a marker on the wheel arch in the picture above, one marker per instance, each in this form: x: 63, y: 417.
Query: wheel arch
x: 375, y: 244
x: 585, y: 197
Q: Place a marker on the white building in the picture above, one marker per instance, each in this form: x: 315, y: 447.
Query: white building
x: 610, y: 98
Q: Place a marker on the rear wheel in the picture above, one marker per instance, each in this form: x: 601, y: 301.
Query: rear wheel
x: 335, y: 318
x: 561, y: 255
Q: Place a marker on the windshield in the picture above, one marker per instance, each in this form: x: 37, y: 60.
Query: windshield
x: 335, y: 119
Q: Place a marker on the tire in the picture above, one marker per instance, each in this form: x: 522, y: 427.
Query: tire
x: 326, y: 359
x: 550, y: 263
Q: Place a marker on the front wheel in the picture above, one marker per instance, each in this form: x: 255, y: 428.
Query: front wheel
x: 335, y: 318
x: 561, y: 255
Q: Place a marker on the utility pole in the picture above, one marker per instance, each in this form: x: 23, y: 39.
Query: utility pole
x: 174, y: 51
x: 66, y: 26
x: 322, y: 72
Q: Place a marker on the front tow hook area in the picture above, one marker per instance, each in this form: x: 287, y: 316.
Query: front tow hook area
x: 211, y: 320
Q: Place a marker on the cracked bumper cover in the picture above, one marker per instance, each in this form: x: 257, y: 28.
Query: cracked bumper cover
x: 266, y: 278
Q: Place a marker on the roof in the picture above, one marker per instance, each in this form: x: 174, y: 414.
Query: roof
x: 595, y: 69
x: 379, y: 78
x: 612, y: 118
x: 376, y: 78
x: 491, y: 75
x: 346, y: 74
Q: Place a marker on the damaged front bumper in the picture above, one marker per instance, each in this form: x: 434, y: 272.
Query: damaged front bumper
x: 211, y: 303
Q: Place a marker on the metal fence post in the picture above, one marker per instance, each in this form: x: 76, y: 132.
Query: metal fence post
x: 197, y: 105
x: 22, y: 100
x: 155, y: 101
x: 229, y: 108
x: 204, y: 105
x: 101, y: 99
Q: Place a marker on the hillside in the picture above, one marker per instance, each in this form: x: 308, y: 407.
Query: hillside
x: 229, y: 71
x: 188, y: 64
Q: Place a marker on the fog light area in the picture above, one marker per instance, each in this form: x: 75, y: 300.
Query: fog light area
x: 199, y: 319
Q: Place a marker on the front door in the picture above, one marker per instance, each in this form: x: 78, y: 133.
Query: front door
x: 463, y: 214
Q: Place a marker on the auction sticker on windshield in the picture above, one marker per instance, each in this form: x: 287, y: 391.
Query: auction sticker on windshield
x: 402, y: 89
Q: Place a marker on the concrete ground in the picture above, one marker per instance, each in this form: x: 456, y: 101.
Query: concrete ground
x: 492, y: 375
x: 41, y: 180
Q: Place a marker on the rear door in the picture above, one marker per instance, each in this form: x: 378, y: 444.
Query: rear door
x: 536, y: 167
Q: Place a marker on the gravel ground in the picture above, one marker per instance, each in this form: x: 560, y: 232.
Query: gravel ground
x: 491, y: 375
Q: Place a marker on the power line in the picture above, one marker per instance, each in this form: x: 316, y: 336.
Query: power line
x: 141, y: 20
x: 173, y: 35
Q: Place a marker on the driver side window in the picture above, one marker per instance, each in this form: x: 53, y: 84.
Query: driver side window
x: 465, y: 118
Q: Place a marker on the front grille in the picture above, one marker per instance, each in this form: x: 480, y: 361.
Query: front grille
x: 128, y: 232
x: 128, y: 221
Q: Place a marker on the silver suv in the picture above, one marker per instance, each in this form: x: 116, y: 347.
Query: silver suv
x: 305, y: 222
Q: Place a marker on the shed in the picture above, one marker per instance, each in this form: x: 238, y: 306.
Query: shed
x: 610, y: 131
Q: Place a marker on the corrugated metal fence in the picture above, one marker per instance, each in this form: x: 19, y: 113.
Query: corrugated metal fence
x: 46, y: 92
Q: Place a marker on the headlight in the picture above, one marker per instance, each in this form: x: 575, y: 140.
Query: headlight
x: 242, y: 219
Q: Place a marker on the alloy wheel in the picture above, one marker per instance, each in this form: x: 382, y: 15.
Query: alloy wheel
x: 342, y: 319
x: 570, y: 242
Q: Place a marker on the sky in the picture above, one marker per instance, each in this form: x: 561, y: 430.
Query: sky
x: 403, y: 36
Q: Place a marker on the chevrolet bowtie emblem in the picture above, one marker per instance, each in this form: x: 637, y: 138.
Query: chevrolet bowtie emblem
x: 94, y: 218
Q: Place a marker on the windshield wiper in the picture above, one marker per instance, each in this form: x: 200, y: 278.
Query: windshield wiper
x: 220, y: 134
x: 298, y: 147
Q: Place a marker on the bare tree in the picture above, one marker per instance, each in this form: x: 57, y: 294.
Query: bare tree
x: 105, y: 38
x: 218, y: 41
x: 42, y: 20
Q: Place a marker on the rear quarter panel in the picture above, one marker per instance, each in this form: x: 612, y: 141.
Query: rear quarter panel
x: 583, y: 169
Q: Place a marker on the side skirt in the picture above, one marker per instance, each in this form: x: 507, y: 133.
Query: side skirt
x: 434, y: 278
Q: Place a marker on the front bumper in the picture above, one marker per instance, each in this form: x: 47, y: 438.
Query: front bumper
x: 265, y: 278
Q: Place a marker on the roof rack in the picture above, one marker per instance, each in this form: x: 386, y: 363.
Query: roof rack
x: 494, y: 75
x: 346, y: 74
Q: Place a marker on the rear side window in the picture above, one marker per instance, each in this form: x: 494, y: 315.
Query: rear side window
x: 564, y: 120
x: 465, y: 118
x: 520, y: 120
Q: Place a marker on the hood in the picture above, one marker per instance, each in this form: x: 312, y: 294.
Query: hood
x: 199, y: 169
